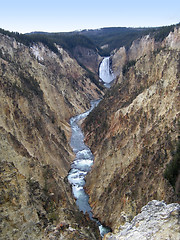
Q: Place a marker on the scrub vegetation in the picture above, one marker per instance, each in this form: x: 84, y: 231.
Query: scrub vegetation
x: 172, y: 170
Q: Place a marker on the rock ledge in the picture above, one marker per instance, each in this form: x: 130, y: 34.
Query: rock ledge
x: 157, y: 220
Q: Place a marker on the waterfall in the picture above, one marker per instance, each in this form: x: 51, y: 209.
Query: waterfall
x: 105, y: 72
x: 84, y: 157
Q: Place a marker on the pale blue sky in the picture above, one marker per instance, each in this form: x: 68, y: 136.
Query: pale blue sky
x: 69, y: 15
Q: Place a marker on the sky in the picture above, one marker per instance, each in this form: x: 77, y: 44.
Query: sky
x: 25, y: 16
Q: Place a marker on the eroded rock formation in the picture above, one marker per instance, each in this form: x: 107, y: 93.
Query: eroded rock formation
x: 39, y: 92
x: 134, y: 130
x: 156, y: 221
x: 88, y: 57
x: 141, y: 47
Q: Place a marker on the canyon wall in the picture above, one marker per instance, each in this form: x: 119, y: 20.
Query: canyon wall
x: 134, y: 130
x: 141, y: 47
x: 88, y: 58
x: 39, y: 91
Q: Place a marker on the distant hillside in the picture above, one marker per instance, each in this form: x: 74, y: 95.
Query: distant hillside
x: 105, y: 40
x: 108, y: 39
x: 102, y: 40
x: 67, y: 40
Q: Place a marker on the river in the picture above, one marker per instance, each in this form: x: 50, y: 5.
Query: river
x: 84, y: 157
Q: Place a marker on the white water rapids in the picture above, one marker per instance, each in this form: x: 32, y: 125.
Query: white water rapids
x: 84, y: 157
x: 81, y: 166
x: 82, y: 163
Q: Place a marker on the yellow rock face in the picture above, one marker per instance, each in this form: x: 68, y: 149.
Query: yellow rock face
x: 39, y: 92
x: 132, y: 133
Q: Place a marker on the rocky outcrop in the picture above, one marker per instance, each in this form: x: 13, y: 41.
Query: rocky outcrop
x: 88, y: 58
x: 39, y: 92
x: 141, y: 47
x: 156, y: 221
x: 173, y: 39
x: 133, y: 133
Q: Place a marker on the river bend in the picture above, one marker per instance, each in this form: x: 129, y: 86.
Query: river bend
x: 84, y: 157
x: 81, y: 166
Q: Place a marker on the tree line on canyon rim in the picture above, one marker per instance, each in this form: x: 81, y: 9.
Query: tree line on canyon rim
x: 114, y: 38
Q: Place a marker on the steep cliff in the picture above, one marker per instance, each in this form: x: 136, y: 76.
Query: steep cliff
x: 141, y: 47
x: 39, y: 91
x: 88, y: 57
x: 134, y: 130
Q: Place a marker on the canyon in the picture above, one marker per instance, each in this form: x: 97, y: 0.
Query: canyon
x: 40, y: 91
x: 132, y: 133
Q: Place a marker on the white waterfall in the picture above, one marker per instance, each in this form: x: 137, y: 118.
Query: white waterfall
x: 84, y: 157
x: 105, y: 73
